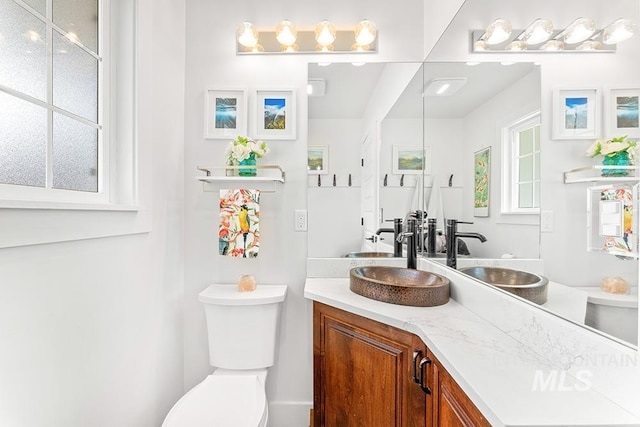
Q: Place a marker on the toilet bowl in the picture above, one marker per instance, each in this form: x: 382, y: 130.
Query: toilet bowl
x: 242, y: 332
x: 223, y: 399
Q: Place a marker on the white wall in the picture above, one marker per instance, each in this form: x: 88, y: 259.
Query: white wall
x: 212, y: 62
x: 333, y: 212
x: 91, y: 330
x: 516, y: 234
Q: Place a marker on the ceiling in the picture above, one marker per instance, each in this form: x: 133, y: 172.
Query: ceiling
x: 349, y: 88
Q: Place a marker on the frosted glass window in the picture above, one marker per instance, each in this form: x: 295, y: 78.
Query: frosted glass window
x: 39, y: 5
x: 75, y: 155
x: 526, y: 169
x: 23, y: 51
x: 75, y: 79
x: 80, y: 19
x: 23, y: 142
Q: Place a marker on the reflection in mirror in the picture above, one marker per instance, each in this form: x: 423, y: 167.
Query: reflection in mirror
x: 345, y: 122
x: 574, y: 269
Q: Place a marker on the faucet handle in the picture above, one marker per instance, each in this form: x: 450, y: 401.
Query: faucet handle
x: 455, y: 221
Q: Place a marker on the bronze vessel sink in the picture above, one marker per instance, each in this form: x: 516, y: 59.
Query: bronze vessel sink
x: 398, y: 285
x: 526, y: 285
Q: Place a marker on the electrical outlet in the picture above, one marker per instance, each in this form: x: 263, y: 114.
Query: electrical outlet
x: 300, y: 223
x: 546, y: 221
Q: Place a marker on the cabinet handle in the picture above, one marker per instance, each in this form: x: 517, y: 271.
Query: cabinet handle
x: 425, y: 361
x: 416, y: 355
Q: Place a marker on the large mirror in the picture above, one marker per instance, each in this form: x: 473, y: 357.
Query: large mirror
x: 454, y: 132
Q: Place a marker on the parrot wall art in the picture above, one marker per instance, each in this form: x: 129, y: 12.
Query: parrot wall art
x: 239, y: 234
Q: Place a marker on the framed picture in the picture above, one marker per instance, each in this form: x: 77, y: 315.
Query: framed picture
x: 275, y: 114
x: 318, y: 159
x: 481, y: 181
x: 411, y: 159
x: 225, y: 113
x: 622, y: 112
x: 576, y: 113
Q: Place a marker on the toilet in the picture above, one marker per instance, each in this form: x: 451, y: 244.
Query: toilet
x: 242, y: 329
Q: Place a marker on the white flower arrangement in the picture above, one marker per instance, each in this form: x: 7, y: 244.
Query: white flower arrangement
x: 612, y: 147
x: 241, y: 149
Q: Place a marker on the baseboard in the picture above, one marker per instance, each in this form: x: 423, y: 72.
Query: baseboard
x: 286, y: 413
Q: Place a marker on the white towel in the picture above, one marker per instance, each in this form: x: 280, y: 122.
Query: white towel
x: 434, y: 208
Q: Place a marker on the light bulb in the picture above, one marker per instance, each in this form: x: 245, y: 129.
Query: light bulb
x: 517, y: 46
x: 325, y: 33
x: 553, y: 46
x: 590, y: 45
x: 498, y: 32
x: 365, y: 32
x: 359, y: 48
x: 286, y: 33
x: 579, y: 30
x: 247, y: 35
x: 539, y: 31
x: 321, y: 48
x: 618, y: 31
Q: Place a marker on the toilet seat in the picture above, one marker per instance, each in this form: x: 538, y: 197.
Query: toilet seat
x: 235, y: 400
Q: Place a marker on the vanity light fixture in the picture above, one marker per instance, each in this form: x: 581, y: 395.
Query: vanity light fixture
x: 445, y: 86
x: 581, y: 35
x: 538, y: 32
x: 324, y: 37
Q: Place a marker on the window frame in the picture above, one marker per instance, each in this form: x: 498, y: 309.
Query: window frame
x: 510, y: 164
x: 112, y: 191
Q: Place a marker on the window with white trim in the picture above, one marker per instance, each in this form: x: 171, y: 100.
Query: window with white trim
x: 521, y: 166
x: 56, y: 62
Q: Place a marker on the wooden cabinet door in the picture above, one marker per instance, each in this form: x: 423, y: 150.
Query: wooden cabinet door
x: 451, y: 406
x: 363, y: 373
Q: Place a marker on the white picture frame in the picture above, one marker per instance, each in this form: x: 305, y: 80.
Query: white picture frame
x: 622, y: 113
x: 411, y: 160
x: 225, y: 113
x: 318, y: 159
x: 576, y: 113
x: 275, y: 114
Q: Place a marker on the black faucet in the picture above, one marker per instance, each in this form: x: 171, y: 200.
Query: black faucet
x: 412, y: 242
x: 396, y: 230
x: 452, y: 240
x: 431, y: 237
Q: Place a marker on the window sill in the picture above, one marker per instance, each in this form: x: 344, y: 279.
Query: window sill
x: 27, y: 223
x: 46, y: 205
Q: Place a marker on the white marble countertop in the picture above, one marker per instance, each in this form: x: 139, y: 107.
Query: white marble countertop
x: 511, y: 384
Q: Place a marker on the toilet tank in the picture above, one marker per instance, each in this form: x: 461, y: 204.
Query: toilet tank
x: 242, y: 326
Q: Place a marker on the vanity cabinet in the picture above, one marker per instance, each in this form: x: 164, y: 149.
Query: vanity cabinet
x: 451, y: 406
x: 367, y: 373
x: 363, y: 372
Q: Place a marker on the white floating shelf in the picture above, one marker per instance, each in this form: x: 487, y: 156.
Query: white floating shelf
x: 593, y: 174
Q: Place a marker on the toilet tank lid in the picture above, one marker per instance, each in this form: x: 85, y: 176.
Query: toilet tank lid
x: 229, y: 295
